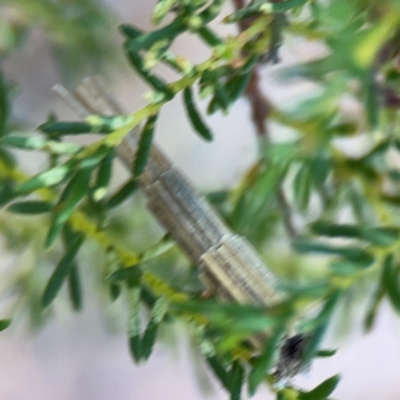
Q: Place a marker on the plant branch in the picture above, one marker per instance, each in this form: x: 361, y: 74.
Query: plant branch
x: 260, y: 107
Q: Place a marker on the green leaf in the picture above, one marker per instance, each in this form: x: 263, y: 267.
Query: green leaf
x: 48, y: 178
x: 75, y: 288
x: 67, y: 128
x: 103, y: 176
x: 114, y: 291
x: 95, y: 158
x: 4, y: 106
x: 219, y: 370
x: 345, y: 268
x: 7, y: 157
x: 302, y: 187
x: 61, y: 272
x: 237, y: 318
x: 235, y: 380
x: 24, y: 142
x: 149, y: 337
x: 135, y: 347
x: 30, y: 207
x: 381, y: 236
x: 319, y: 169
x: 373, y: 307
x: 209, y: 36
x: 334, y: 230
x: 263, y: 364
x: 194, y: 116
x: 237, y: 85
x: 211, y: 12
x: 323, y: 316
x: 4, y: 324
x: 217, y: 197
x: 160, y: 11
x: 234, y: 88
x: 144, y: 147
x: 146, y: 40
x: 325, y: 353
x: 322, y: 391
x: 69, y: 200
x: 344, y: 129
x: 321, y: 322
x: 130, y: 31
x: 93, y: 124
x: 7, y: 192
x: 265, y: 7
x: 134, y: 323
x: 391, y: 281
x: 127, y: 190
x: 354, y: 254
x: 136, y: 61
x: 132, y: 275
x: 38, y: 143
x: 254, y: 200
x: 220, y: 93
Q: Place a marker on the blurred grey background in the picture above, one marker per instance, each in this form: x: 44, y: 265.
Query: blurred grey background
x: 79, y: 357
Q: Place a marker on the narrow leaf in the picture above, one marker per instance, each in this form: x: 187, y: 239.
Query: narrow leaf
x: 30, y: 207
x: 323, y: 316
x: 149, y: 337
x: 211, y: 12
x: 46, y: 179
x: 381, y: 236
x: 64, y: 128
x: 321, y: 321
x: 7, y: 192
x: 376, y: 300
x: 115, y: 291
x: 133, y: 275
x: 333, y: 230
x: 219, y: 370
x: 209, y: 36
x: 134, y: 323
x: 325, y: 353
x: 264, y: 363
x: 145, y: 40
x: 153, y: 80
x: 61, y: 272
x: 221, y: 94
x: 144, y: 148
x: 354, y: 254
x: 122, y: 194
x: 4, y: 106
x: 302, y: 187
x: 74, y: 288
x: 161, y: 10
x: 235, y: 380
x: 37, y: 143
x: 237, y: 85
x: 103, y: 176
x: 194, y: 116
x: 130, y: 31
x: 7, y: 157
x: 71, y: 196
x: 135, y: 347
x: 4, y: 324
x: 391, y: 281
x: 95, y: 158
x: 322, y: 391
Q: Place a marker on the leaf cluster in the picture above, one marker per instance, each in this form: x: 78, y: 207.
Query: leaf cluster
x: 297, y: 190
